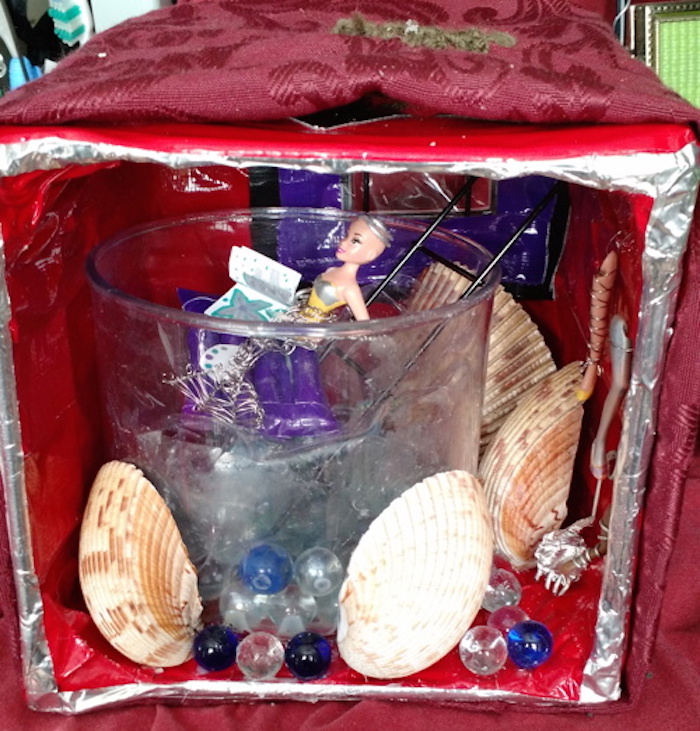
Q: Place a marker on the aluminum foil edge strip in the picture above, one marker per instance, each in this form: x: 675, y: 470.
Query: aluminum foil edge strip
x: 666, y: 239
x: 670, y: 178
x: 36, y: 659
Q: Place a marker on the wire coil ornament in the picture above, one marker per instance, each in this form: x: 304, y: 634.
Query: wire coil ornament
x: 226, y: 392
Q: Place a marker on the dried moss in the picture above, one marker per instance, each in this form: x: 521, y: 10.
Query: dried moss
x: 474, y: 40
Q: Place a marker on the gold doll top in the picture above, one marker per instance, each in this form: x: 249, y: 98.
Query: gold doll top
x: 324, y: 296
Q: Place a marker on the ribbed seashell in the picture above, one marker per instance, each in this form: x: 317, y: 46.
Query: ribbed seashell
x: 139, y: 585
x: 518, y: 358
x: 438, y: 285
x: 416, y: 578
x: 526, y: 470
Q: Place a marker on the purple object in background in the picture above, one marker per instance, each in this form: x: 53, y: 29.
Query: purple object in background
x: 530, y: 262
x: 201, y: 340
x: 303, y: 188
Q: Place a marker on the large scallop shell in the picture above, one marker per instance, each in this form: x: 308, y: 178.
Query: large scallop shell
x: 139, y: 585
x: 417, y: 578
x: 526, y: 471
x: 518, y: 356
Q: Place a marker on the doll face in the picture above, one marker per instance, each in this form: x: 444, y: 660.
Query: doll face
x: 360, y: 245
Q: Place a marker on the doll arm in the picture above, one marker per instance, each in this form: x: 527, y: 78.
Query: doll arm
x: 356, y: 302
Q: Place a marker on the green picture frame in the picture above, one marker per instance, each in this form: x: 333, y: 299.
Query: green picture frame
x: 666, y: 37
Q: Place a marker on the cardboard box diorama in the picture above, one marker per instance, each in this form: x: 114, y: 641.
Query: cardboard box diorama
x: 441, y: 501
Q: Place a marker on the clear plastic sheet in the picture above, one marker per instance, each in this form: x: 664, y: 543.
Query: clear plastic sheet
x: 668, y: 178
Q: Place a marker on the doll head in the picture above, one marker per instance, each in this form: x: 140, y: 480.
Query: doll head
x: 365, y: 240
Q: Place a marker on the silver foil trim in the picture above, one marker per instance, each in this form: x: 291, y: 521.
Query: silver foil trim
x: 37, y: 665
x: 671, y: 179
x: 667, y: 235
x: 274, y: 690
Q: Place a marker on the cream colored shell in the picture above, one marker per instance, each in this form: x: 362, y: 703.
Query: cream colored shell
x: 526, y: 470
x: 139, y: 585
x: 518, y: 356
x: 417, y: 578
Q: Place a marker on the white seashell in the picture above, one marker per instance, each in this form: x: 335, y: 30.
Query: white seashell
x: 139, y: 585
x: 526, y: 470
x: 417, y: 577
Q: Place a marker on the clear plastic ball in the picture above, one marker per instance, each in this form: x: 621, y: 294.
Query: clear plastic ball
x: 260, y: 656
x: 483, y: 650
x: 210, y: 579
x: 291, y: 611
x: 503, y: 590
x: 325, y: 621
x: 319, y: 571
x: 266, y: 568
x: 506, y: 617
x: 529, y: 643
x: 238, y: 607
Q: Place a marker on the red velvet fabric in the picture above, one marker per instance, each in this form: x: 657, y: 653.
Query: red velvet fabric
x: 228, y: 61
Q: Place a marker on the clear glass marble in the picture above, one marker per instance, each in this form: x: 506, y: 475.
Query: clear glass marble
x: 325, y: 621
x: 291, y: 610
x: 260, y: 656
x: 503, y: 590
x: 506, y: 617
x: 238, y: 607
x: 483, y: 650
x: 319, y: 571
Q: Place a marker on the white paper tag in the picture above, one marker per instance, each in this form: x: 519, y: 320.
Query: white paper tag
x: 267, y: 277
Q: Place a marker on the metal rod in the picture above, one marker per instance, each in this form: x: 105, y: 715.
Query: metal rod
x: 464, y: 190
x: 476, y: 283
x: 521, y: 230
x: 448, y: 264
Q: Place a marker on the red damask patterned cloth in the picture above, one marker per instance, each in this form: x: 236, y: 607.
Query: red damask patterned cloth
x: 205, y: 61
x: 215, y: 61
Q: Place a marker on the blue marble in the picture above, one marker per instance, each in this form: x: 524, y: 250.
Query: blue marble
x: 267, y: 568
x: 215, y: 647
x: 530, y: 643
x: 308, y: 656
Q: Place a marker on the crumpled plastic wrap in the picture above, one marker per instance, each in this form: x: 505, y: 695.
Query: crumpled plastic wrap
x: 663, y: 181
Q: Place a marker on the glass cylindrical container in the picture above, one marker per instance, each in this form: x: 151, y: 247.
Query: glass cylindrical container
x: 328, y: 421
